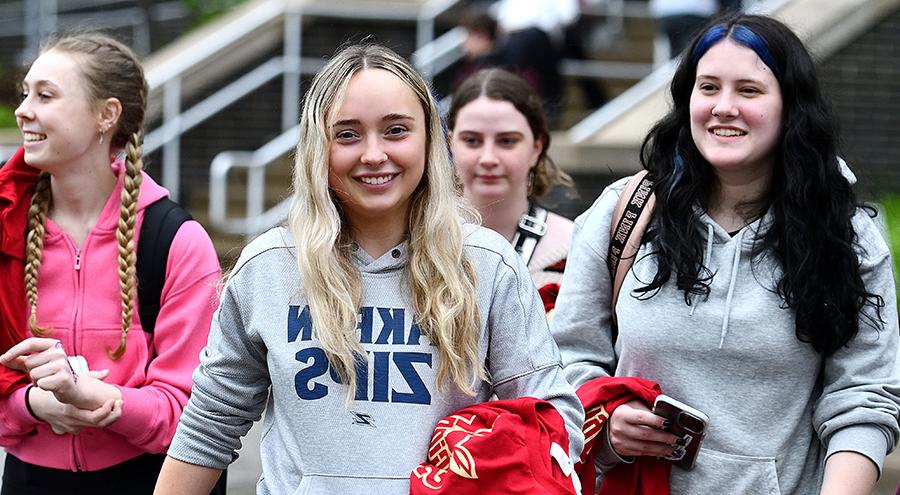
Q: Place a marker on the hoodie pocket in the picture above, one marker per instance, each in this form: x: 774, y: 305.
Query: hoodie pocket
x: 331, y: 485
x: 130, y: 369
x: 719, y: 472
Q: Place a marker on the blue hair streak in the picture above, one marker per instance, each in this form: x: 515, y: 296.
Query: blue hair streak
x: 741, y: 35
x: 677, y: 171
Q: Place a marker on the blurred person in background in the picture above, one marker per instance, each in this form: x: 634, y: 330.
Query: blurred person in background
x: 500, y: 142
x: 528, y: 39
x: 681, y: 20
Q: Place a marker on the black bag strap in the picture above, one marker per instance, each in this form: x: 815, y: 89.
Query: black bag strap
x: 162, y: 219
x: 531, y: 228
x: 630, y: 220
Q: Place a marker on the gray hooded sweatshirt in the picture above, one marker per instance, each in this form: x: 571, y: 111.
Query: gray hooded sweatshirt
x: 777, y: 408
x: 263, y: 354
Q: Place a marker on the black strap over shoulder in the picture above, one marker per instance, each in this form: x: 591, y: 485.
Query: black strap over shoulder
x: 162, y: 219
x: 531, y: 228
x: 628, y: 211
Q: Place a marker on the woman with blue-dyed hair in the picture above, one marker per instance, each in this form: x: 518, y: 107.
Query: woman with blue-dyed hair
x: 762, y: 293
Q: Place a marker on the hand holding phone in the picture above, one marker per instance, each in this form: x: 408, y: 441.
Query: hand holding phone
x: 685, y: 422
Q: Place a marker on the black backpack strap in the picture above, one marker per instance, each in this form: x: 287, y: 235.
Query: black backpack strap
x: 162, y: 219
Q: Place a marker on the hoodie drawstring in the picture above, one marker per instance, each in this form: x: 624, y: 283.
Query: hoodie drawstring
x: 707, y: 256
x: 738, y: 241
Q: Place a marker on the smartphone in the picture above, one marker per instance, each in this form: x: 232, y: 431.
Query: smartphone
x: 685, y: 422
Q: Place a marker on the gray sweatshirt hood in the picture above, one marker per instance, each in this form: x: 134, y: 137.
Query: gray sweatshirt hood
x: 394, y: 259
x: 742, y: 245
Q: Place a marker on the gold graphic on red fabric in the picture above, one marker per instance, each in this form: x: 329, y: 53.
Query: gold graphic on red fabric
x: 448, y: 451
x: 595, y: 418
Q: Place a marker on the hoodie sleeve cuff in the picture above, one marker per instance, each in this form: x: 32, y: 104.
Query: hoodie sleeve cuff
x: 16, y: 413
x: 867, y: 440
x: 138, y: 410
x: 607, y: 457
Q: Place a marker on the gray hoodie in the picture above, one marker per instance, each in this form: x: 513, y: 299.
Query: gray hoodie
x: 777, y: 408
x: 263, y: 354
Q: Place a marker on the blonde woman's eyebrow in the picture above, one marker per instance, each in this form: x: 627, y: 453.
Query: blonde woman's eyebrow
x: 391, y: 117
x: 346, y: 122
x: 396, y: 116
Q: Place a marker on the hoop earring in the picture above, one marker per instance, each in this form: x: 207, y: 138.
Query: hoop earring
x: 529, y: 186
x: 101, y: 135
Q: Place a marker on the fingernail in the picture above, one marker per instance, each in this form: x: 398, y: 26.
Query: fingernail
x: 678, y: 453
x: 681, y: 441
x: 666, y: 423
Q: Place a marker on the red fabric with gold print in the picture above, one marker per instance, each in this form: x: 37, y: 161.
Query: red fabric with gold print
x: 497, y: 447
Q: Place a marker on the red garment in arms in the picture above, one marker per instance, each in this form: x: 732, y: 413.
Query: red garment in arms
x: 17, y: 181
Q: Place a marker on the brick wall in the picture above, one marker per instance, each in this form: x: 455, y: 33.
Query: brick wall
x: 862, y: 81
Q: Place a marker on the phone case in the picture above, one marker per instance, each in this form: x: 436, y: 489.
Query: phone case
x: 685, y: 422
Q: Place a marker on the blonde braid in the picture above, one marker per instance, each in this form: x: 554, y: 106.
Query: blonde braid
x: 125, y: 236
x: 34, y: 248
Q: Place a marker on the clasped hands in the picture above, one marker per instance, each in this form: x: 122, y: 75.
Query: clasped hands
x: 68, y: 401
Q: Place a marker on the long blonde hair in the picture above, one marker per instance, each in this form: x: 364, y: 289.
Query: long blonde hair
x: 110, y: 70
x: 442, y: 280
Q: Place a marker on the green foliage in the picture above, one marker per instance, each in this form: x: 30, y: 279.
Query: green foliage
x: 891, y: 207
x: 205, y: 10
x: 7, y: 116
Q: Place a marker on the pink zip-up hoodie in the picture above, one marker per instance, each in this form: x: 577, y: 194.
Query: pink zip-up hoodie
x: 78, y: 297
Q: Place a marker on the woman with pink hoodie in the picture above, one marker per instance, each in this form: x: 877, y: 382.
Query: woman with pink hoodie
x: 100, y: 431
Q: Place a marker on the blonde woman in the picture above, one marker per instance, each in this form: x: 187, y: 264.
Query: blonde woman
x: 69, y: 431
x: 376, y: 312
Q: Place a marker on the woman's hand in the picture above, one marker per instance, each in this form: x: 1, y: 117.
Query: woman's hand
x: 47, y: 364
x: 634, y: 431
x: 66, y: 418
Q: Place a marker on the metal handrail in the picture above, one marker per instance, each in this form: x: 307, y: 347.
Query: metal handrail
x: 227, y: 35
x: 440, y: 53
x: 35, y: 20
x: 257, y: 219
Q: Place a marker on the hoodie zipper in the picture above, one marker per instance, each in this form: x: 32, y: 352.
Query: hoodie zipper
x: 74, y: 341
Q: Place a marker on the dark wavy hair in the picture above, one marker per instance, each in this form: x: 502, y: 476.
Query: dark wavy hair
x: 811, y: 202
